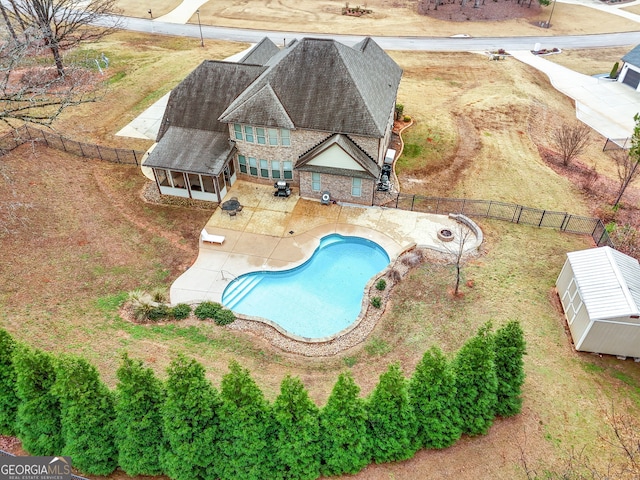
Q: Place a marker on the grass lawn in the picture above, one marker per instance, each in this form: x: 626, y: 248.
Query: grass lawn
x: 83, y: 238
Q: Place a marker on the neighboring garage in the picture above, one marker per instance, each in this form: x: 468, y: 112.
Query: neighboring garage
x: 600, y: 292
x: 630, y: 72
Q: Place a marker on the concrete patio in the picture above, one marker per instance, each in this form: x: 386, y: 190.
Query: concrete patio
x: 275, y: 233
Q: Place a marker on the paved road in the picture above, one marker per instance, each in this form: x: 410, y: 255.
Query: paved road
x: 436, y: 44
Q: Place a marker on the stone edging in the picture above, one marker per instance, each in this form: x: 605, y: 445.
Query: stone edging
x: 473, y: 226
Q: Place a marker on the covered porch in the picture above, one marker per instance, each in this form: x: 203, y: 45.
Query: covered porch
x: 193, y: 164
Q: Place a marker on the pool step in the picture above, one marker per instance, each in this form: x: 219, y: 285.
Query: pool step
x: 239, y: 289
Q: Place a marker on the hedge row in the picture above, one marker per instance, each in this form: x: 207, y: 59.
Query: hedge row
x: 187, y: 429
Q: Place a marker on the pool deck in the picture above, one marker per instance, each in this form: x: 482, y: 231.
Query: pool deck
x: 273, y: 233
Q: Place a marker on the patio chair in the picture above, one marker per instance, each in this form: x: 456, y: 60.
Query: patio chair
x: 207, y: 237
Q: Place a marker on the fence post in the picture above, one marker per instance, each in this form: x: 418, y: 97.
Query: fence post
x: 135, y: 157
x: 541, y: 218
x: 464, y: 202
x: 563, y: 225
x: 81, y: 150
x: 117, y: 156
x: 62, y: 142
x: 489, y: 209
x: 413, y: 201
x: 599, y: 222
x: 99, y: 152
x: 519, y: 214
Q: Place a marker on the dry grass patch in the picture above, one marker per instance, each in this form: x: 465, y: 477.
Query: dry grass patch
x: 590, y: 61
x: 141, y: 9
x: 393, y: 18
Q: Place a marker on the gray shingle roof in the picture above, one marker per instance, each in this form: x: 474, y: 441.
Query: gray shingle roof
x: 192, y: 150
x: 633, y: 57
x: 371, y: 169
x: 325, y: 85
x: 202, y: 96
x: 261, y: 52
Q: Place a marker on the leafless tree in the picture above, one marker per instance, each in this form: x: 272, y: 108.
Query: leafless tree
x: 455, y: 249
x: 570, y: 140
x: 35, y: 94
x: 64, y: 24
x: 627, y: 169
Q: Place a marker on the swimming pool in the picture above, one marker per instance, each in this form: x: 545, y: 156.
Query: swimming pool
x: 319, y: 298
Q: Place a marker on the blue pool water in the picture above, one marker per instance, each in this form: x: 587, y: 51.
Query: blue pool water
x: 318, y: 298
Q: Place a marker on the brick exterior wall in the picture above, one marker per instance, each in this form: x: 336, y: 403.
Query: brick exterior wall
x: 338, y: 186
x: 301, y: 142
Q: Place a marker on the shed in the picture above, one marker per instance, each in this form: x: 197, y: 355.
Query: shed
x: 600, y: 292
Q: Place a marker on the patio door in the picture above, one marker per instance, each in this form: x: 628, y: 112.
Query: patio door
x: 230, y: 174
x: 222, y: 186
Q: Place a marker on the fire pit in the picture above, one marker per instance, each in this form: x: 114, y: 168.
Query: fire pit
x: 445, y: 235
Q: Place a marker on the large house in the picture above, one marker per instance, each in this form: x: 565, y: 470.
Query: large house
x: 317, y: 114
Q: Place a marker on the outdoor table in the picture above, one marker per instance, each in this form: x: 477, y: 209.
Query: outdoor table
x: 231, y: 205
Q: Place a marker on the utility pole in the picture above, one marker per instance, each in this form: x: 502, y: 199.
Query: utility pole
x: 200, y: 27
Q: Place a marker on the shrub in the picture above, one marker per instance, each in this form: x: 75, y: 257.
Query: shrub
x: 159, y: 295
x: 412, y: 259
x: 224, y: 317
x: 181, y: 311
x: 207, y: 310
x: 141, y: 311
x: 395, y: 276
x: 158, y: 312
x: 381, y: 284
x: 406, y: 118
x: 399, y: 110
x: 614, y: 70
x: 376, y: 302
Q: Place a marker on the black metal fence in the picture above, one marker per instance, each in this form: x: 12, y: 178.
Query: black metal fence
x: 27, y: 133
x: 9, y: 454
x: 509, y: 212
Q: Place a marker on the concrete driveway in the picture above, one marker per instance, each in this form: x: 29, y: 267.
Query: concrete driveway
x: 606, y: 106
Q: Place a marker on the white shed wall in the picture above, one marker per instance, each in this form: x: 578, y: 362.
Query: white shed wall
x: 612, y: 338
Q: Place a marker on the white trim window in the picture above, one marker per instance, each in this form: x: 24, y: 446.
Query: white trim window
x: 275, y: 169
x: 248, y: 133
x: 273, y: 137
x: 253, y: 167
x: 287, y: 169
x: 260, y: 136
x: 356, y: 187
x: 285, y: 137
x: 315, y: 182
x: 242, y: 162
x: 264, y: 168
x: 237, y: 130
